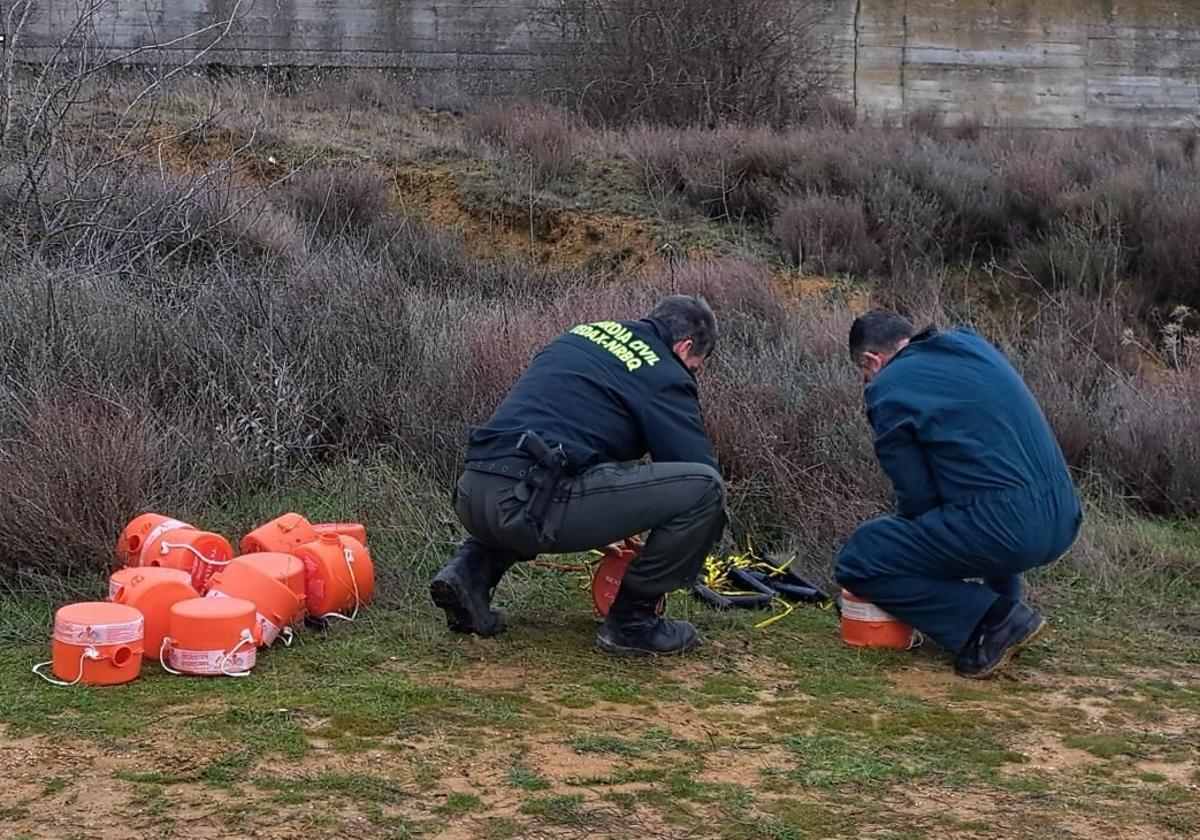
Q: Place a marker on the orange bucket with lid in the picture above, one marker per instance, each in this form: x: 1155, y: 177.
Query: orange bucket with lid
x: 211, y: 637
x: 283, y: 533
x: 344, y: 529
x: 276, y: 606
x: 95, y: 643
x: 153, y: 592
x: 865, y: 625
x: 143, y: 529
x: 288, y: 569
x: 122, y: 577
x: 153, y: 540
x: 338, y: 576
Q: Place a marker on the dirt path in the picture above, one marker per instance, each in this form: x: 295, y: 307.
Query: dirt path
x: 702, y: 749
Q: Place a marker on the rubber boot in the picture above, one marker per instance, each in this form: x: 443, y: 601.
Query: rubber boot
x: 465, y: 586
x: 632, y: 628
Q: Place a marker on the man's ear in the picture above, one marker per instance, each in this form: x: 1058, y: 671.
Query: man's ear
x: 683, y: 348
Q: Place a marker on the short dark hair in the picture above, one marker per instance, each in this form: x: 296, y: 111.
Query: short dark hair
x: 878, y: 331
x: 688, y: 316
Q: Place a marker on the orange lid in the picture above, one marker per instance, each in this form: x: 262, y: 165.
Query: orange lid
x: 97, y: 612
x: 132, y: 574
x: 97, y: 622
x: 346, y: 529
x: 213, y: 608
x: 270, y: 596
x: 283, y: 567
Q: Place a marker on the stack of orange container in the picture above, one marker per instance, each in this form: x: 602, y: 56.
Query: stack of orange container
x: 183, y: 598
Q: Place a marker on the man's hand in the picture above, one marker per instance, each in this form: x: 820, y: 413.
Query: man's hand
x: 633, y: 544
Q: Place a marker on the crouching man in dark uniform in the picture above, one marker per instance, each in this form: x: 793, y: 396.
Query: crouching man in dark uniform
x: 551, y: 472
x: 982, y: 491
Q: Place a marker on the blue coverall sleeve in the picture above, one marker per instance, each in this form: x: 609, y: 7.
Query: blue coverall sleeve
x: 901, y: 457
x: 674, y: 428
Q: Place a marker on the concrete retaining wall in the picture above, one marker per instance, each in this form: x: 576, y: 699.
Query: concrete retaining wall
x: 1038, y: 63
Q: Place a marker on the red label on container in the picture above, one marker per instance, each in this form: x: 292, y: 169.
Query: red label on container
x: 314, y: 586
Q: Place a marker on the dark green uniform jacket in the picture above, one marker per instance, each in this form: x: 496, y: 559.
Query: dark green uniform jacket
x: 610, y: 391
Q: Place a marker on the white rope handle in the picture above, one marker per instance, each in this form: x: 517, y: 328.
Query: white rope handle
x: 349, y: 555
x: 162, y: 657
x: 223, y: 660
x: 287, y: 634
x: 87, y: 653
x: 167, y: 547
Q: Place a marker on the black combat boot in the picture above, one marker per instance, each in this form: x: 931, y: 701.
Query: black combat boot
x: 999, y: 638
x: 632, y: 628
x: 465, y: 586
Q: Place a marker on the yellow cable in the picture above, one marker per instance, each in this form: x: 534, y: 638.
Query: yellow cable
x: 788, y: 609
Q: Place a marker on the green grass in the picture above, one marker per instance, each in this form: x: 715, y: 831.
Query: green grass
x: 500, y: 828
x: 565, y: 809
x: 360, y: 787
x: 460, y: 803
x: 228, y: 769
x: 776, y: 733
x: 53, y: 786
x: 1101, y: 746
x: 520, y: 776
x: 605, y: 744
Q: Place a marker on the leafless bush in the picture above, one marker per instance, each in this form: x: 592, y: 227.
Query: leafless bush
x: 543, y: 138
x: 695, y: 62
x: 786, y: 417
x: 827, y: 234
x: 1083, y: 211
x: 75, y: 466
x: 1150, y: 444
x: 834, y: 112
x: 231, y: 335
x: 338, y: 201
x: 736, y: 289
x: 907, y: 222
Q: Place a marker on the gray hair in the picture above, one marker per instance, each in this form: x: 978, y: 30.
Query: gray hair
x: 688, y: 316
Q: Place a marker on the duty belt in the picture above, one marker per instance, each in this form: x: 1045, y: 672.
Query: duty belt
x: 512, y: 466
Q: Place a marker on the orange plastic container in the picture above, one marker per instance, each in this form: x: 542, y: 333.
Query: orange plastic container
x: 142, y: 530
x: 154, y: 540
x: 122, y: 577
x: 285, y: 568
x: 344, y: 529
x: 95, y: 643
x: 212, y: 637
x: 277, y: 607
x: 338, y: 576
x: 606, y: 582
x: 865, y: 625
x: 283, y: 533
x: 153, y: 592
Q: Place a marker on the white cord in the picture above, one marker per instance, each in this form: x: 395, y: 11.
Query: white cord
x: 87, y: 653
x: 223, y: 660
x: 166, y: 549
x: 162, y: 659
x: 349, y: 555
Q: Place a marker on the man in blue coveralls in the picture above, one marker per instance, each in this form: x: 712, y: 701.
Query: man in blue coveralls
x: 981, y: 490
